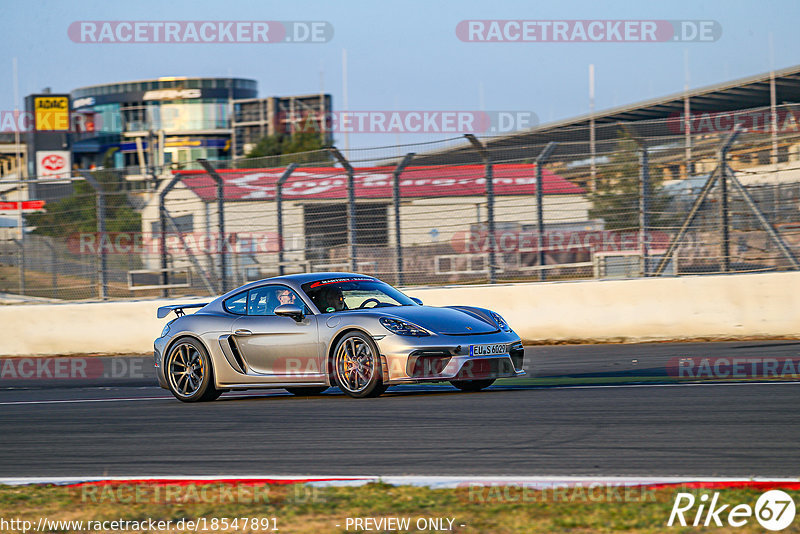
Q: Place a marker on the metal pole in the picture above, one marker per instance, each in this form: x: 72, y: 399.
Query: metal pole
x: 279, y: 200
x: 644, y: 206
x: 101, y: 233
x: 487, y: 162
x: 398, y: 243
x: 540, y: 161
x: 784, y: 248
x: 20, y: 175
x: 696, y: 206
x: 162, y: 221
x: 53, y: 272
x: 687, y: 117
x: 725, y: 244
x: 223, y: 267
x: 592, y: 139
x: 351, y: 207
x: 21, y: 224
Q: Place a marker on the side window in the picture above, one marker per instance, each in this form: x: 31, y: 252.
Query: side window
x: 264, y: 300
x: 236, y: 304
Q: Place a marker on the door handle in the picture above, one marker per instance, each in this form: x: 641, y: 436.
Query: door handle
x: 243, y: 332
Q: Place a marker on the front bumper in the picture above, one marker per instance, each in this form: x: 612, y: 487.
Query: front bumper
x: 443, y: 358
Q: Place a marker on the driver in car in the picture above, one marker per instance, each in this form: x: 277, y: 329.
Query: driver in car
x: 285, y: 297
x: 331, y: 299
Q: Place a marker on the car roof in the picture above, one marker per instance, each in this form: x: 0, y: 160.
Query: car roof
x: 299, y: 279
x: 292, y: 280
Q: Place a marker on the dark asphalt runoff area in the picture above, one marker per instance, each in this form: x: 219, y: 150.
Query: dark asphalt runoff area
x: 586, y: 410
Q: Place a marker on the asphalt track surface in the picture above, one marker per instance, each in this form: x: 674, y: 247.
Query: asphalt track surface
x: 127, y: 426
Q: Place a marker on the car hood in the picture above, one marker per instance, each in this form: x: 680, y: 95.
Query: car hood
x: 447, y: 321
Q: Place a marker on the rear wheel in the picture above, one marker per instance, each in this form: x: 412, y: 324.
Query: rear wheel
x: 357, y: 366
x: 306, y: 391
x: 189, y: 373
x: 472, y: 385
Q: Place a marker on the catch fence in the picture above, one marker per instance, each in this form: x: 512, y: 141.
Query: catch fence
x: 638, y: 199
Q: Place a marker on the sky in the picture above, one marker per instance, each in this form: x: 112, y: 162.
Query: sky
x: 406, y: 55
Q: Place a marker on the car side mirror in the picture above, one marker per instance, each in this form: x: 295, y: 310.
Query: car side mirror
x: 290, y: 310
x: 418, y: 301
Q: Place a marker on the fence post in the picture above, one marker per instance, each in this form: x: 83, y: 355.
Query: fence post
x: 487, y: 162
x: 20, y: 264
x: 279, y: 201
x: 725, y: 245
x: 398, y: 245
x: 698, y: 202
x: 101, y: 232
x: 162, y: 222
x: 540, y: 161
x: 644, y: 205
x: 48, y: 241
x: 223, y: 267
x: 21, y: 225
x: 351, y: 207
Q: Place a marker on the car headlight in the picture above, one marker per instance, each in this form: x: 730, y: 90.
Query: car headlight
x: 402, y: 328
x: 166, y: 329
x: 500, y: 321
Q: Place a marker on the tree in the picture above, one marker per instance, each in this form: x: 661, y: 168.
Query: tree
x: 300, y: 147
x: 616, y: 199
x: 77, y: 213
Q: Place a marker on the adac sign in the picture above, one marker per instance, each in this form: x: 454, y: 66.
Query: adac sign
x: 52, y: 113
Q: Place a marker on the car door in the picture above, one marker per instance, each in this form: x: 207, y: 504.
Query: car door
x: 278, y: 346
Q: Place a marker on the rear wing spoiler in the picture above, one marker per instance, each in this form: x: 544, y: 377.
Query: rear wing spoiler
x: 163, y: 311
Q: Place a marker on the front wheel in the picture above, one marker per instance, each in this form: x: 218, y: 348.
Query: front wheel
x: 472, y: 385
x: 357, y: 366
x: 189, y: 373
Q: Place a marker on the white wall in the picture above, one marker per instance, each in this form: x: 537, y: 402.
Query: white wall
x: 714, y: 307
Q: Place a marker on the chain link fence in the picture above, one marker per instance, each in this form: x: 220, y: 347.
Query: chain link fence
x: 718, y: 193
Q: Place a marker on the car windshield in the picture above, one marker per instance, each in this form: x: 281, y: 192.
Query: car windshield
x: 340, y: 294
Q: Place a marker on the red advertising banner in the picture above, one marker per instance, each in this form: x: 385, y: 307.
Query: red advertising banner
x: 376, y: 182
x: 27, y: 205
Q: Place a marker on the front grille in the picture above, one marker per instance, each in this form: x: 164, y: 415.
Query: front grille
x: 480, y: 369
x: 427, y: 363
x: 517, y: 353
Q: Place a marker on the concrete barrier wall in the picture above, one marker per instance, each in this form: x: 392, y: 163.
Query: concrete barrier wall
x: 689, y: 307
x: 712, y: 307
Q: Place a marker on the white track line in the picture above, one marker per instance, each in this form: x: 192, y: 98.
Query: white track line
x: 533, y: 482
x: 500, y: 388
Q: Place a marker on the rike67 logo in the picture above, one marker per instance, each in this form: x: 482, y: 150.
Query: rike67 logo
x: 774, y: 510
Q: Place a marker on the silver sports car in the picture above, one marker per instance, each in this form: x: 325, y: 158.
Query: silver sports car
x: 308, y: 332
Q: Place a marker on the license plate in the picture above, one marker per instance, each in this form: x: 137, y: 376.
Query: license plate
x: 488, y: 350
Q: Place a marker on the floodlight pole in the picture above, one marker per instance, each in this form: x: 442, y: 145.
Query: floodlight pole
x: 487, y: 162
x: 351, y: 206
